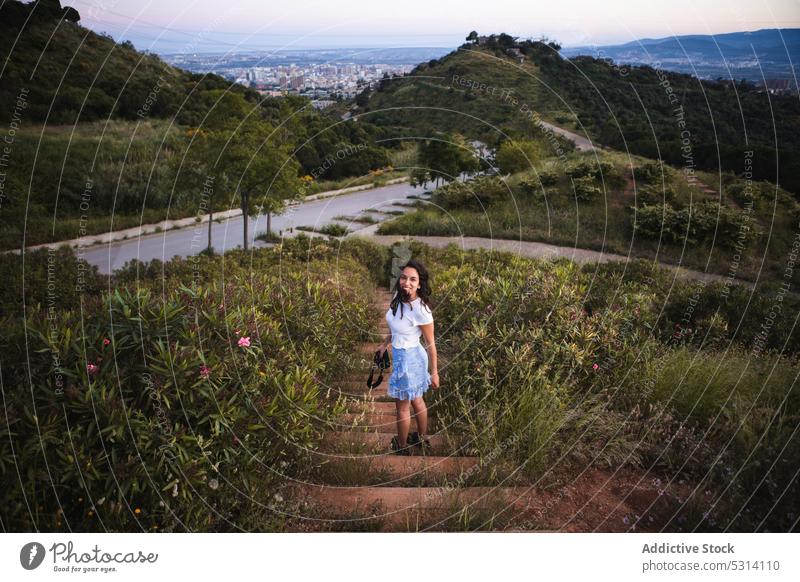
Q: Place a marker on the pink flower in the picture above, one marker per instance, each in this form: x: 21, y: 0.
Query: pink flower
x: 106, y: 341
x: 92, y: 369
x: 595, y: 366
x: 244, y: 342
x: 205, y: 371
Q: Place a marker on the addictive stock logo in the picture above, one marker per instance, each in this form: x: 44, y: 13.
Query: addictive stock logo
x: 31, y: 555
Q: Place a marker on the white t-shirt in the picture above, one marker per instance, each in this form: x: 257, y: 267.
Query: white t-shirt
x: 406, y: 331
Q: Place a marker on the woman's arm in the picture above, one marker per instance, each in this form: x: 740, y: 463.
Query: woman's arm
x: 427, y: 332
x: 385, y: 345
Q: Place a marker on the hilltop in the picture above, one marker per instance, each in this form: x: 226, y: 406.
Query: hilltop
x: 489, y: 86
x: 72, y: 74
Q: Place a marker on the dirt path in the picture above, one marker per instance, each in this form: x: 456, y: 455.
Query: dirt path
x: 534, y: 250
x: 582, y: 144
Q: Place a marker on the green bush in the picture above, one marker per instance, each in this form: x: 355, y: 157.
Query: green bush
x: 703, y: 221
x: 152, y: 412
x: 46, y: 278
x: 475, y: 194
x: 334, y: 229
x: 654, y: 194
x: 653, y: 174
x: 541, y: 378
x: 586, y: 189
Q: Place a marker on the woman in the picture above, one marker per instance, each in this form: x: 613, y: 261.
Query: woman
x: 409, y: 316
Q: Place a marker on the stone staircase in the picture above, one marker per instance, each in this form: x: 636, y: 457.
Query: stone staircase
x: 359, y: 484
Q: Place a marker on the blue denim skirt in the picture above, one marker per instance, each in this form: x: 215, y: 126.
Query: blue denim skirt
x: 410, y: 377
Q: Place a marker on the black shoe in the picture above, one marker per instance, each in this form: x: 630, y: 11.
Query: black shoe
x: 396, y: 448
x: 415, y: 441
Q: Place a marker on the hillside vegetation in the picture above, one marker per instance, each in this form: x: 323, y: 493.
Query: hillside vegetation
x: 490, y: 89
x: 100, y: 136
x: 188, y: 401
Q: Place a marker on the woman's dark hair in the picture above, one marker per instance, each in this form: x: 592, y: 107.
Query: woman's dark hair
x: 424, y: 292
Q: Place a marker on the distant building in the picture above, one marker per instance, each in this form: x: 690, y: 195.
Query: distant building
x: 517, y: 54
x: 322, y: 103
x: 777, y: 86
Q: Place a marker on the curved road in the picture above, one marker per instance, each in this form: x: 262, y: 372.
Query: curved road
x: 228, y: 234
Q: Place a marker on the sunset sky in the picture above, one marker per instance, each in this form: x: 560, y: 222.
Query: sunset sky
x: 210, y: 25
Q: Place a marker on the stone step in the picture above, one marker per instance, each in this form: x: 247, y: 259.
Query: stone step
x: 365, y: 442
x: 371, y: 407
x: 357, y: 394
x: 378, y: 394
x: 358, y: 387
x: 422, y: 508
x: 388, y: 469
x: 382, y: 423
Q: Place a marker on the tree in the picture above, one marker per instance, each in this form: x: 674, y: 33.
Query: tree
x: 238, y: 151
x: 517, y: 156
x: 506, y: 40
x: 447, y: 157
x: 472, y: 37
x: 420, y: 177
x: 258, y: 166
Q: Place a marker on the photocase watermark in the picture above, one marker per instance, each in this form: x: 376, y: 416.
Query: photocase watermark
x: 151, y: 98
x: 776, y: 308
x: 683, y: 328
x: 679, y: 114
x: 7, y: 145
x: 507, y: 95
x: 98, y: 8
x: 94, y: 560
x: 83, y: 231
x: 31, y: 555
x: 622, y: 69
x: 489, y: 458
x: 745, y: 226
x: 203, y: 208
x: 161, y: 418
x: 332, y: 159
x: 52, y: 317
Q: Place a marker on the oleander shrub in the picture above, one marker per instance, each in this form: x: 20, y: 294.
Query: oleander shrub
x: 179, y: 403
x: 46, y: 277
x: 553, y: 368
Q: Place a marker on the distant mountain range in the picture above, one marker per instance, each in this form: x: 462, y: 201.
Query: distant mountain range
x: 761, y: 54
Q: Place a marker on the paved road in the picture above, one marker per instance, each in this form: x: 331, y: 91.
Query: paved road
x: 228, y: 234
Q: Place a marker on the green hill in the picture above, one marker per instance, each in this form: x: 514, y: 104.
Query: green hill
x: 484, y: 90
x: 77, y: 107
x: 69, y: 73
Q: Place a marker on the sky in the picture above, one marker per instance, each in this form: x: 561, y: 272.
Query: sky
x: 194, y: 26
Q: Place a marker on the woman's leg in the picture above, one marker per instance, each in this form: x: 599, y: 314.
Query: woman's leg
x: 403, y: 421
x: 421, y: 414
